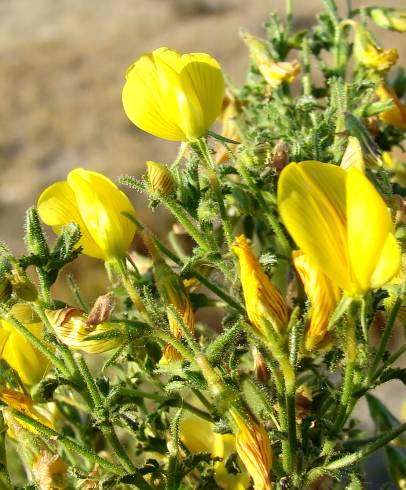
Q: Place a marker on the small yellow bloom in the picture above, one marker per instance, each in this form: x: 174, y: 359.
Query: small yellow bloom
x: 24, y: 404
x: 95, y: 203
x: 174, y: 96
x: 323, y: 296
x: 173, y: 292
x: 353, y: 157
x: 17, y: 351
x: 369, y: 54
x: 160, y: 178
x: 71, y: 327
x: 254, y: 449
x: 389, y: 18
x: 198, y: 436
x: 263, y: 301
x: 274, y: 72
x: 339, y: 220
x: 395, y: 116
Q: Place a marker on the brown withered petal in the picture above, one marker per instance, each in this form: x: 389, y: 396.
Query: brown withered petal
x: 102, y: 309
x: 50, y: 471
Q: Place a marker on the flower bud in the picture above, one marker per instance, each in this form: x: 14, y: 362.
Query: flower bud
x: 275, y: 73
x: 23, y: 287
x: 160, y: 178
x: 324, y: 297
x: 389, y: 18
x: 263, y: 302
x: 254, y: 449
x: 370, y: 54
x: 71, y: 327
x: 172, y: 291
x: 228, y: 117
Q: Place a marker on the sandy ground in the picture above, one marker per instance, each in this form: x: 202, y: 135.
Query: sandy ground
x: 62, y: 70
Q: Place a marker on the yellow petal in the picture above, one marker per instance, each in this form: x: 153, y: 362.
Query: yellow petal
x: 144, y: 104
x: 57, y: 207
x: 101, y: 205
x: 323, y: 296
x: 17, y: 351
x: 353, y: 157
x: 202, y: 74
x: 368, y: 226
x: 389, y: 263
x: 311, y: 202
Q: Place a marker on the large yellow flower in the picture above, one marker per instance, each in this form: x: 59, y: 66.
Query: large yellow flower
x: 198, y: 436
x: 174, y: 96
x: 339, y: 220
x: 97, y: 205
x: 17, y: 351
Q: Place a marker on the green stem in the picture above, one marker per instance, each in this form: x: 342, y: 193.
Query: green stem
x: 181, y: 152
x: 35, y: 342
x: 5, y: 482
x: 353, y: 458
x: 177, y: 344
x: 384, y: 341
x: 215, y: 183
x: 100, y: 410
x: 185, y: 221
x: 289, y: 17
x: 68, y: 443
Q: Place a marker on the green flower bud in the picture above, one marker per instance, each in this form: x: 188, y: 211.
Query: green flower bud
x: 160, y: 178
x: 22, y: 285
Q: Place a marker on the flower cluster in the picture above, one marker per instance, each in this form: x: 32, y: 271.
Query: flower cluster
x: 232, y: 354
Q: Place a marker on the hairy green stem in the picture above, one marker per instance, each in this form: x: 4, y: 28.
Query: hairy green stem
x: 68, y: 443
x: 384, y: 340
x: 100, y: 409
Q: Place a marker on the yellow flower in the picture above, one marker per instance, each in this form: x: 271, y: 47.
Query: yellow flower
x: 396, y: 116
x: 70, y: 325
x: 174, y: 96
x: 24, y: 404
x: 323, y: 296
x: 17, y: 351
x: 274, y: 72
x: 97, y: 205
x: 172, y: 291
x: 389, y: 18
x: 339, y: 220
x: 263, y: 301
x: 368, y: 53
x: 198, y: 436
x: 254, y: 449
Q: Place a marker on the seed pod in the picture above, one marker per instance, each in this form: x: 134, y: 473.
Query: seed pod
x: 160, y: 179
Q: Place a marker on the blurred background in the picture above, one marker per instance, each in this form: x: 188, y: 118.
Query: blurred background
x: 62, y: 71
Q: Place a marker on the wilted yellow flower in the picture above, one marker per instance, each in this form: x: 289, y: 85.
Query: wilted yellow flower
x: 389, y: 18
x: 24, y: 404
x: 172, y: 291
x: 368, y: 53
x: 254, y: 449
x: 395, y: 116
x: 228, y: 117
x: 50, y: 471
x: 97, y: 205
x: 71, y: 327
x: 198, y: 436
x: 160, y: 178
x: 274, y: 72
x: 264, y: 303
x: 323, y: 295
x: 174, y: 96
x: 17, y: 351
x: 339, y: 220
x: 353, y: 157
